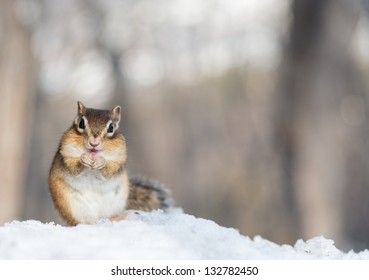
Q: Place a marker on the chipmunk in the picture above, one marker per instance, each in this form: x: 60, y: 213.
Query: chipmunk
x: 88, y: 180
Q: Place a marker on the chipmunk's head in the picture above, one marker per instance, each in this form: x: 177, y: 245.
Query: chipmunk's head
x: 96, y: 126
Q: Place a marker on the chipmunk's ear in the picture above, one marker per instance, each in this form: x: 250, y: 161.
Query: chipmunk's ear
x: 115, y: 114
x: 81, y: 108
x: 80, y: 121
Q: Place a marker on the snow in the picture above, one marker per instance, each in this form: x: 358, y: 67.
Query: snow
x: 155, y: 235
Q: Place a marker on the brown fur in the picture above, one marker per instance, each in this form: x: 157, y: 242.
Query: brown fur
x: 143, y: 194
x: 58, y: 188
x: 147, y: 195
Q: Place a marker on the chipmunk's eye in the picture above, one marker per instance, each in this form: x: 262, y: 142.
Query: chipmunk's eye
x: 110, y: 128
x: 82, y: 124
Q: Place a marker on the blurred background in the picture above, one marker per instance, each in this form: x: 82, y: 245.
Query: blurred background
x: 254, y: 113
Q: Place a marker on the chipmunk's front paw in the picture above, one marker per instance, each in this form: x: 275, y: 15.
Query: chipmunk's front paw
x: 87, y: 160
x: 99, y: 162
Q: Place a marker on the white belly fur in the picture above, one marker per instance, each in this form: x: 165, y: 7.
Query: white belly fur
x: 93, y: 197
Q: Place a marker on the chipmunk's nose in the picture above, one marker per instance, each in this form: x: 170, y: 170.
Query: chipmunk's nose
x: 94, y: 142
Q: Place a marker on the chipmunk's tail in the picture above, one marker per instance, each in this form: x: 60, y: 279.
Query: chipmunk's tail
x: 147, y: 195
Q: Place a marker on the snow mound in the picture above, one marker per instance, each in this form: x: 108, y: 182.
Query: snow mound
x: 154, y: 235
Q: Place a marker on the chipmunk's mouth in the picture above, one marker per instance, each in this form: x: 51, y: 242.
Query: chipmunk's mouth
x: 93, y: 151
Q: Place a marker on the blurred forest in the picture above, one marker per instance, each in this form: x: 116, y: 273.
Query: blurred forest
x: 254, y: 113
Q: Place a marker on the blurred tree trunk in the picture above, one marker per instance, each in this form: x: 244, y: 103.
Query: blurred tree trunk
x: 15, y: 108
x: 313, y: 136
x: 356, y: 196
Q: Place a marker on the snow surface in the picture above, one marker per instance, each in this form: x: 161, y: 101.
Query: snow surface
x: 155, y: 235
